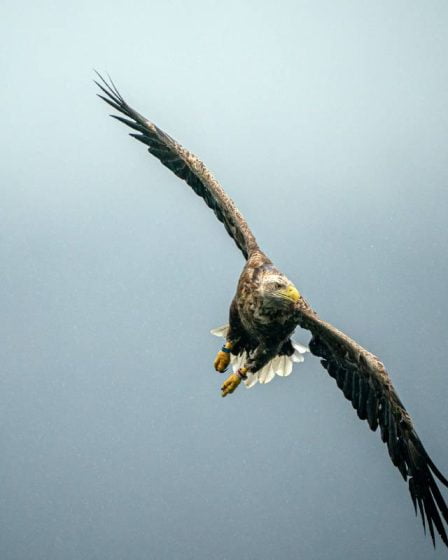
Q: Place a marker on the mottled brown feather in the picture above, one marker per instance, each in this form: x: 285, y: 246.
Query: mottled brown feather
x: 185, y: 165
x: 365, y: 381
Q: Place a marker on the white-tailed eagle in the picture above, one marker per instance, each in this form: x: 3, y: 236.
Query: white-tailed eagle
x: 266, y: 310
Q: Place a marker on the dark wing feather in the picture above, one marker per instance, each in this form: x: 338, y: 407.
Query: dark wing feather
x: 364, y: 380
x: 185, y: 165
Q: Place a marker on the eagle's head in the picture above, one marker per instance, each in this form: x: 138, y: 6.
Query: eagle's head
x: 276, y: 289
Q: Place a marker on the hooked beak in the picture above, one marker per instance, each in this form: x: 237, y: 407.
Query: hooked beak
x: 291, y: 293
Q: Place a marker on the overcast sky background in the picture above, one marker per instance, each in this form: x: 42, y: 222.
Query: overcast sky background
x: 327, y: 122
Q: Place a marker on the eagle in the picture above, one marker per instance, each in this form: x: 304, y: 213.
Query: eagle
x: 266, y: 310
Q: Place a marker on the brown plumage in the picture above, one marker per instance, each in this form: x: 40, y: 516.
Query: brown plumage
x: 266, y: 310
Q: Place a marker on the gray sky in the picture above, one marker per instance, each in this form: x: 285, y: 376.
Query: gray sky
x: 327, y: 123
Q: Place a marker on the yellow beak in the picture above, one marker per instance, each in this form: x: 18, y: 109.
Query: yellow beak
x: 291, y: 293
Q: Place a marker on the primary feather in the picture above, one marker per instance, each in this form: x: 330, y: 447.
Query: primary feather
x: 185, y: 165
x: 365, y: 382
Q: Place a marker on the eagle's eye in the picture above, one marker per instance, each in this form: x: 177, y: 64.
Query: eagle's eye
x: 278, y: 285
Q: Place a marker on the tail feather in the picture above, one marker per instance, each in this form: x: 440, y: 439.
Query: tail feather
x: 281, y: 365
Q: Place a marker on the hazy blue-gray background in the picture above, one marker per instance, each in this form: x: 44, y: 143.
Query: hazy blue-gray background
x: 327, y: 122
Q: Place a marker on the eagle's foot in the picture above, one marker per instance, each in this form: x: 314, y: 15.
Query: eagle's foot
x: 232, y: 382
x: 222, y: 359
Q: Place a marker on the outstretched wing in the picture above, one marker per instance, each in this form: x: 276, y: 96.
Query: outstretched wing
x: 366, y: 383
x: 185, y: 165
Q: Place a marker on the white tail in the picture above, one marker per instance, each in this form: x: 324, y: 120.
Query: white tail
x: 280, y: 365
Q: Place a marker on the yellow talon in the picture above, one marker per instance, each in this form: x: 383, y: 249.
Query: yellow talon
x: 222, y: 359
x: 230, y: 384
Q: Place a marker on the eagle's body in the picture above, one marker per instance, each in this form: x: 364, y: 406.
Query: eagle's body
x: 266, y: 310
x: 260, y: 322
x: 254, y: 315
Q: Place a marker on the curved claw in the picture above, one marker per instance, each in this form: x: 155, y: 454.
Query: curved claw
x: 230, y: 384
x: 221, y: 361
